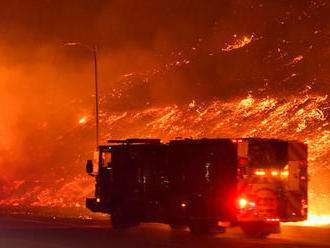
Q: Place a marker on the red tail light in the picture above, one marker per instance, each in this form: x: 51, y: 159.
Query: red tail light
x: 303, y: 162
x: 243, y: 203
x: 224, y: 223
x: 242, y: 161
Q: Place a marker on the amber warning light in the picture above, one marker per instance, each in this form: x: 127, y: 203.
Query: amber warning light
x: 260, y: 173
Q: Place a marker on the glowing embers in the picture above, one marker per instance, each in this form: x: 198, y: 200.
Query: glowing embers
x: 238, y: 43
x: 83, y: 120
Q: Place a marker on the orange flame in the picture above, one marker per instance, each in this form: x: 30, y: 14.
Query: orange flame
x: 238, y: 43
x: 83, y: 120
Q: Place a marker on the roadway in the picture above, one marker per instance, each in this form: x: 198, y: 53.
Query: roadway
x: 36, y: 232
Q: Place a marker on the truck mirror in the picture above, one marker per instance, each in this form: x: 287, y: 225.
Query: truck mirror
x: 89, y: 167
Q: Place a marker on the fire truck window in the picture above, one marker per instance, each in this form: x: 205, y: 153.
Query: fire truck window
x: 106, y: 159
x: 201, y: 167
x: 268, y: 154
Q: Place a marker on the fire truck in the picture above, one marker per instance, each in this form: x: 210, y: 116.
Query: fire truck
x: 204, y: 184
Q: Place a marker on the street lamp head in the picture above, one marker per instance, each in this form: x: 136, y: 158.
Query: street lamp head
x: 79, y: 44
x: 70, y: 43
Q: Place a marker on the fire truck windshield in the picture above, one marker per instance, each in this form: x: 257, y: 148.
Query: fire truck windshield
x: 268, y: 154
x: 106, y: 159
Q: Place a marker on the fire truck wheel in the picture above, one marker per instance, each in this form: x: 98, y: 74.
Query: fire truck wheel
x: 177, y: 226
x: 258, y: 229
x: 119, y: 220
x: 199, y: 228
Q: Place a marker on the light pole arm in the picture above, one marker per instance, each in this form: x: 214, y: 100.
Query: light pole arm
x: 96, y: 97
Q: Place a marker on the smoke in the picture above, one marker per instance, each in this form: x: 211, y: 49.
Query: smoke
x: 151, y: 54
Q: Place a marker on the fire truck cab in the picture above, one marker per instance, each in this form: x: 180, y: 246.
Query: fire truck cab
x: 202, y: 183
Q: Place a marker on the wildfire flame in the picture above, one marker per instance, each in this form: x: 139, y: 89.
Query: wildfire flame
x: 302, y: 117
x: 83, y: 120
x: 238, y: 43
x: 316, y: 220
x: 313, y: 220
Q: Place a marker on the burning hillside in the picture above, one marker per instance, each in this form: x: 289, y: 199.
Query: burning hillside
x: 304, y: 117
x: 223, y: 69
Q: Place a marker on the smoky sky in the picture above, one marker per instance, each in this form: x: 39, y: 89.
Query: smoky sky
x: 47, y: 87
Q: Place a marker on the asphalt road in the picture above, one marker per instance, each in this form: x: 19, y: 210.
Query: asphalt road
x: 23, y: 231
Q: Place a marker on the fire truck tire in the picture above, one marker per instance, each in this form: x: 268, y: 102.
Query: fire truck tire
x: 177, y: 226
x: 120, y: 220
x: 258, y: 229
x: 199, y: 228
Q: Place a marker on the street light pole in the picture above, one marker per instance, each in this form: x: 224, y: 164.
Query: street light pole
x: 92, y: 49
x: 96, y: 98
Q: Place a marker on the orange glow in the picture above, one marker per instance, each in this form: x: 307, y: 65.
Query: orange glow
x: 83, y: 120
x: 274, y: 173
x: 284, y: 173
x: 183, y: 205
x: 313, y: 220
